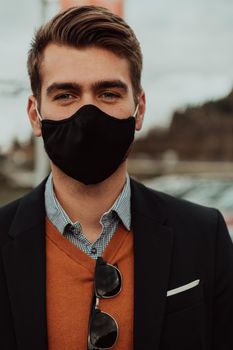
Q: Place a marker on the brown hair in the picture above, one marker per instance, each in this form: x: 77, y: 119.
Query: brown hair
x: 85, y: 26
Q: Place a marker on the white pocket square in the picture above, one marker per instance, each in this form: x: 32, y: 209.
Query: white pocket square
x: 183, y: 288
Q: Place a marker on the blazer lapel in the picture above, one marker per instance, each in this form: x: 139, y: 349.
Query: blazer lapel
x: 24, y: 261
x: 152, y: 256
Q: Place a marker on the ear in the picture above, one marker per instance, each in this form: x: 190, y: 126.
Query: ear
x: 33, y: 117
x: 141, y: 111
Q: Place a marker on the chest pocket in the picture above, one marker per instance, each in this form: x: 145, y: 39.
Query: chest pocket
x: 185, y: 299
x: 184, y: 321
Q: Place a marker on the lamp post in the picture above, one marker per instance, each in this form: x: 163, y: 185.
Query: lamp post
x: 116, y: 6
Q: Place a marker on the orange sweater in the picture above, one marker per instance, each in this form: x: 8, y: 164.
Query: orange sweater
x: 69, y: 289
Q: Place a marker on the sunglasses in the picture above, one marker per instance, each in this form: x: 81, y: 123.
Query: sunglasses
x: 103, y: 328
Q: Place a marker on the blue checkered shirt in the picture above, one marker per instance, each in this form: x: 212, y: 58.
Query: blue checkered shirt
x: 118, y: 213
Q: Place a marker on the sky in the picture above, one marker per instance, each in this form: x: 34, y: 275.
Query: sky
x: 187, y: 49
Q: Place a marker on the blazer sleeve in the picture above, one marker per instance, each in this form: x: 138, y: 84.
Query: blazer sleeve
x: 223, y: 290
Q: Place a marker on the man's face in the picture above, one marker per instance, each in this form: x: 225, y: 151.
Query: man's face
x: 74, y: 77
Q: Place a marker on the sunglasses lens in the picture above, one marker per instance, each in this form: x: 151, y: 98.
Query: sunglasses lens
x: 107, y: 281
x: 103, y: 330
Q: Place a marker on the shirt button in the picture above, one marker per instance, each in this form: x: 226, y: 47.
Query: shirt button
x: 93, y: 250
x: 68, y: 228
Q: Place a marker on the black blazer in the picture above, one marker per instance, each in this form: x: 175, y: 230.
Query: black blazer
x: 175, y: 243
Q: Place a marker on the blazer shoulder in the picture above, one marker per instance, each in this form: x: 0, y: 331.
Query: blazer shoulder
x: 33, y: 198
x: 177, y: 209
x: 9, y: 209
x: 7, y: 214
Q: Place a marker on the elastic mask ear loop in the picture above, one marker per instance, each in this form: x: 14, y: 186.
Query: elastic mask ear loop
x: 38, y: 113
x: 136, y: 111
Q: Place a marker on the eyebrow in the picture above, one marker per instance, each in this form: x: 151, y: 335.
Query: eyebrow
x: 55, y: 87
x: 108, y: 84
x: 99, y: 85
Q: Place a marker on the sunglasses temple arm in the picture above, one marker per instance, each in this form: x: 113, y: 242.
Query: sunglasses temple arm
x: 92, y: 308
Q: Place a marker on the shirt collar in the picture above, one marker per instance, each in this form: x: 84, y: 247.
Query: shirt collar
x: 122, y: 204
x: 60, y: 219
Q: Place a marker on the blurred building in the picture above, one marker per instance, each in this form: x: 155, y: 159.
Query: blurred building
x: 197, y: 133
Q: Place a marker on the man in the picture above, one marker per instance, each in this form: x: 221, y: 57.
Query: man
x: 91, y: 259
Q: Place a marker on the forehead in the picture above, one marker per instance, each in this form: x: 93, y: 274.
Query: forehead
x: 84, y: 66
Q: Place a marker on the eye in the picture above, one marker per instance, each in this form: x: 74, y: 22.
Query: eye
x: 64, y: 97
x: 109, y: 96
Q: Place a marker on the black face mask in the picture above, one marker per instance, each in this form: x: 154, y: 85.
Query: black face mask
x: 90, y: 145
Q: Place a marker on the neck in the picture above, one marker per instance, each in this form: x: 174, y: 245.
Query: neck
x: 87, y: 203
